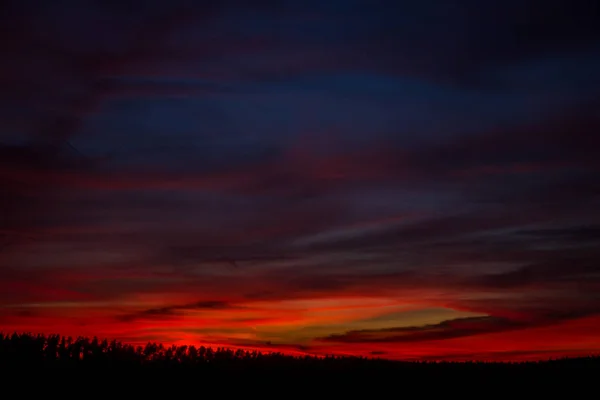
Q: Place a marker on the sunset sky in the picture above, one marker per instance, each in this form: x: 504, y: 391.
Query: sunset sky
x: 400, y: 179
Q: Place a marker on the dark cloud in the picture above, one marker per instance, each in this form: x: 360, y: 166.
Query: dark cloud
x: 578, y: 234
x: 228, y: 255
x: 565, y: 140
x: 25, y: 313
x: 561, y: 269
x: 444, y: 330
x: 430, y: 230
x: 170, y: 311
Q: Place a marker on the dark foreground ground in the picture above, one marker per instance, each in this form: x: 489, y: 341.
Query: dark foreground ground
x: 45, y: 365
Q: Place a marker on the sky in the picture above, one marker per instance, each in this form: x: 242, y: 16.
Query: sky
x: 398, y: 179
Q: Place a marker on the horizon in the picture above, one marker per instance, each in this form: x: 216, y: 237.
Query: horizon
x: 401, y: 178
x: 266, y: 350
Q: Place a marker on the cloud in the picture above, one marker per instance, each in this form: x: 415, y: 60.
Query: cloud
x: 578, y: 234
x: 542, y: 143
x: 440, y: 155
x: 170, y: 311
x: 558, y: 270
x: 449, y: 329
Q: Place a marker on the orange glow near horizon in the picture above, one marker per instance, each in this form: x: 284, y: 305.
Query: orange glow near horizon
x: 295, y: 326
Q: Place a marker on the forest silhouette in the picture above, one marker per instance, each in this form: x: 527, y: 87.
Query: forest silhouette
x: 39, y: 351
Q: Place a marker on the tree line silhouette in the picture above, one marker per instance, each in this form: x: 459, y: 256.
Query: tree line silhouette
x: 91, y: 365
x: 56, y: 350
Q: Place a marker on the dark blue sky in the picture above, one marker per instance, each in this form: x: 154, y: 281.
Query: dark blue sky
x: 433, y: 161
